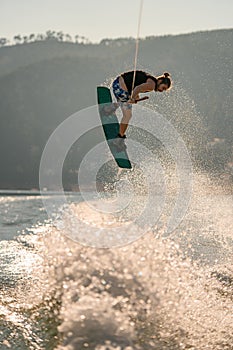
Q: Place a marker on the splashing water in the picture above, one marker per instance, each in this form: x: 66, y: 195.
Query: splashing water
x: 155, y: 293
x: 143, y: 296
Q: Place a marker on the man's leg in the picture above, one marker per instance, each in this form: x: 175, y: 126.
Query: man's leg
x: 127, y: 115
x: 119, y: 142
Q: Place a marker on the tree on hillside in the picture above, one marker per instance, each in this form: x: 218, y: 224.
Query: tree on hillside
x: 40, y: 37
x: 3, y: 42
x: 81, y: 39
x: 68, y: 37
x: 76, y: 38
x: 25, y: 39
x: 32, y: 37
x: 60, y: 36
x: 51, y: 35
x: 18, y: 39
x: 84, y: 40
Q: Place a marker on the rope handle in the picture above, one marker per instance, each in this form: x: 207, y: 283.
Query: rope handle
x: 141, y: 99
x: 111, y: 107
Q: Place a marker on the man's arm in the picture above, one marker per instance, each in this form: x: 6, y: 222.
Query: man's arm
x: 149, y: 85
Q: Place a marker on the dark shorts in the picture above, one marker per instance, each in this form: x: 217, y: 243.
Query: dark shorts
x: 121, y: 95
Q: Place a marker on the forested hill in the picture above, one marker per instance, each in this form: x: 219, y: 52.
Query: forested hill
x: 44, y: 81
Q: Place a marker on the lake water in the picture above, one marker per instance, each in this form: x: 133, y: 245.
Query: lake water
x: 154, y: 293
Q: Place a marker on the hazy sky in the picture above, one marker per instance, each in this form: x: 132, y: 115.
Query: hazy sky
x: 98, y: 19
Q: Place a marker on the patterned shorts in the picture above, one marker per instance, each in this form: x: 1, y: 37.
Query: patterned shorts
x: 121, y: 95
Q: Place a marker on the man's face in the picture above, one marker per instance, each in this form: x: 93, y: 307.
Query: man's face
x: 162, y: 87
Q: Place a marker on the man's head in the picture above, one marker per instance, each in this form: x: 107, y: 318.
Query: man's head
x: 163, y: 82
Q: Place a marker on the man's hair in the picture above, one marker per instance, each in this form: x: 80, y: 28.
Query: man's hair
x: 165, y: 79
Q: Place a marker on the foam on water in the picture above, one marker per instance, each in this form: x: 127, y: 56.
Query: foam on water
x: 155, y: 293
x: 142, y: 296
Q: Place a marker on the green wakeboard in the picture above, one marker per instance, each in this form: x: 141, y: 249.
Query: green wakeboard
x: 111, y: 125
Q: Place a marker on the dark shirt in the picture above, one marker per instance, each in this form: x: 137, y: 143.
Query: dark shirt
x: 140, y: 78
